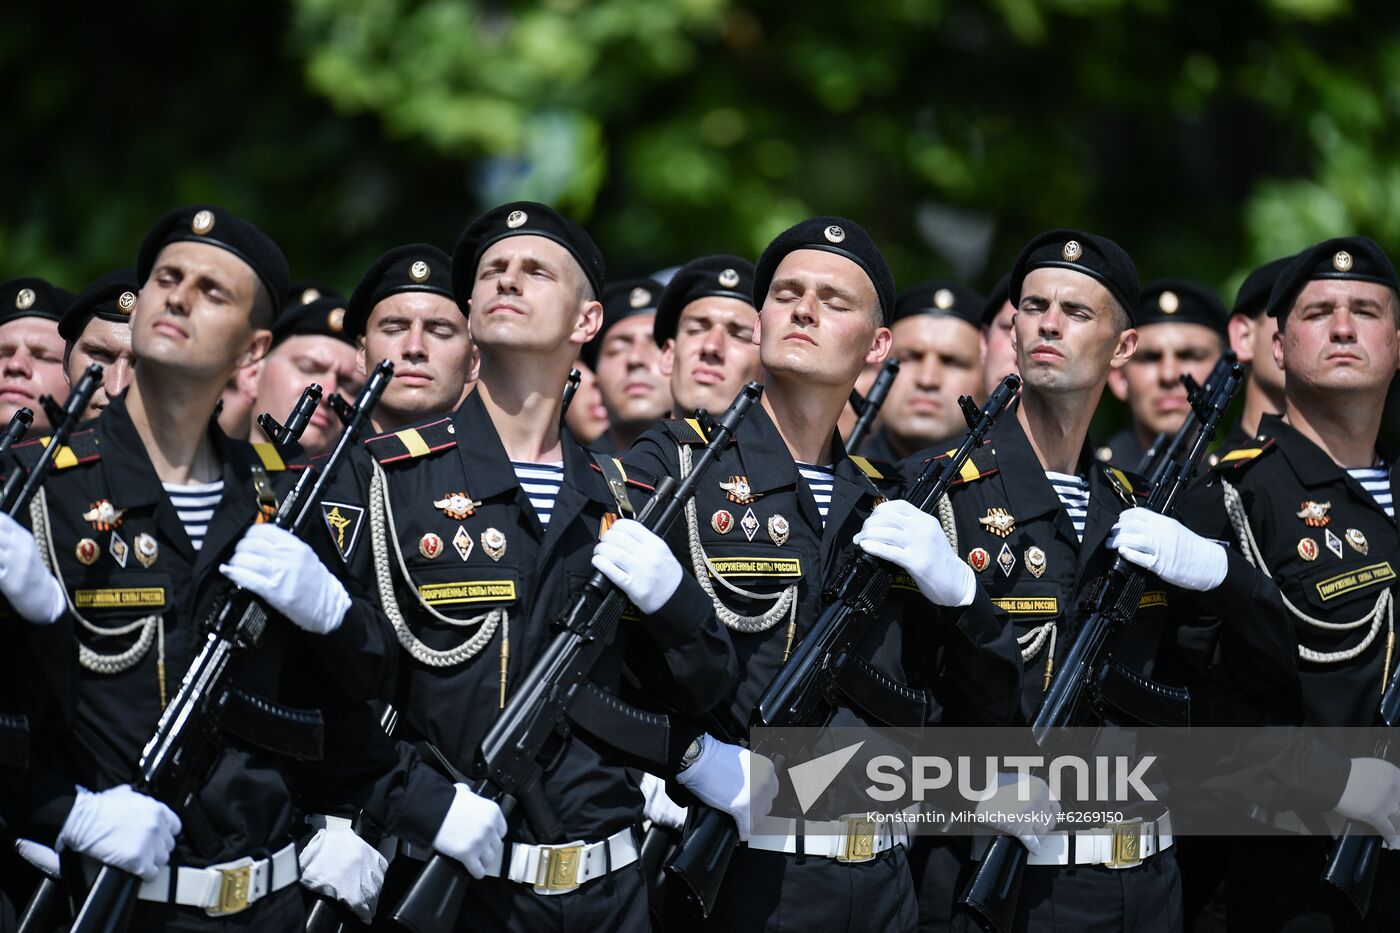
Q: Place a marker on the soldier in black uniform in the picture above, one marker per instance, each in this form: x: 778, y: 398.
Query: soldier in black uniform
x: 998, y: 355
x: 31, y: 351
x: 1251, y: 334
x: 140, y: 518
x: 1037, y: 521
x: 938, y: 345
x: 775, y: 521
x: 1181, y: 331
x: 97, y: 329
x: 626, y: 361
x: 1312, y: 505
x: 470, y: 532
x: 704, y: 327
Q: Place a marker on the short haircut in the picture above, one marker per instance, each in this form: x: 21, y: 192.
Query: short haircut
x: 263, y: 312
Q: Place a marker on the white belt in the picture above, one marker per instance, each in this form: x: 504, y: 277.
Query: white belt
x: 562, y: 868
x: 849, y: 839
x: 1115, y: 845
x: 226, y: 888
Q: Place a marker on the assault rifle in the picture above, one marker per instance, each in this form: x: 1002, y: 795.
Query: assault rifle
x: 14, y: 498
x: 869, y: 406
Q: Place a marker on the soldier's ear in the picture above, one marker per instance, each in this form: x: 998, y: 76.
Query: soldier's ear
x: 590, y: 320
x: 258, y: 346
x: 1278, y: 349
x: 1240, y: 330
x: 668, y: 357
x: 1127, y: 346
x: 880, y: 345
x: 361, y: 364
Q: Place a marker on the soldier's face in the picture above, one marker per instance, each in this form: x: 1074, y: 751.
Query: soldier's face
x: 629, y: 372
x: 1066, y: 332
x: 530, y: 295
x: 1340, y: 335
x: 939, y: 360
x: 107, y: 343
x: 820, y: 320
x: 998, y: 349
x: 192, y: 314
x: 294, y: 364
x: 1151, y: 381
x: 587, y: 416
x: 31, y: 366
x: 712, y: 355
x: 426, y: 337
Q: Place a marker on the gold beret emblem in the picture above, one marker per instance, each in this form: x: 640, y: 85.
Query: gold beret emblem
x: 1072, y: 251
x: 203, y: 222
x: 24, y: 299
x: 835, y: 234
x: 126, y: 301
x: 309, y: 295
x: 516, y: 219
x: 1342, y: 261
x: 335, y: 320
x: 639, y: 297
x: 943, y: 299
x: 729, y: 279
x: 419, y: 271
x: 1168, y: 302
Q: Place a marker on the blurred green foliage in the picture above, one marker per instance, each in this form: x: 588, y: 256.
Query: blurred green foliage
x: 1206, y: 137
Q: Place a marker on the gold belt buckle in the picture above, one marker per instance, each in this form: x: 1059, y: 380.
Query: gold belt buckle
x: 235, y: 884
x: 558, y: 869
x: 1126, y: 850
x: 859, y: 844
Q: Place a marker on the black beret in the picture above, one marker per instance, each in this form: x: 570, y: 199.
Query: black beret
x: 1252, y: 299
x: 1099, y: 258
x: 1181, y: 301
x: 833, y: 235
x: 523, y: 218
x: 32, y: 297
x: 622, y: 299
x: 320, y: 317
x: 204, y: 223
x: 417, y: 267
x: 111, y: 298
x: 1354, y: 258
x: 706, y: 277
x: 1001, y: 294
x: 305, y: 291
x: 941, y: 298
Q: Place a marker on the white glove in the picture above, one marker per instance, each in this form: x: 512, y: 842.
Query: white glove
x: 733, y: 779
x: 1169, y: 549
x: 659, y: 807
x: 40, y: 856
x: 282, y: 569
x: 473, y: 832
x: 1023, y: 807
x: 123, y: 829
x: 24, y: 580
x: 337, y: 863
x: 639, y: 563
x: 914, y: 541
x: 1372, y: 796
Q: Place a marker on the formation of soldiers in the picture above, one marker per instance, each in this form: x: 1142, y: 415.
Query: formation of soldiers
x: 456, y: 533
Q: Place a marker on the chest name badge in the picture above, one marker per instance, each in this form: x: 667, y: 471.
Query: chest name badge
x: 998, y: 521
x: 1344, y: 583
x: 124, y: 597
x: 1314, y: 513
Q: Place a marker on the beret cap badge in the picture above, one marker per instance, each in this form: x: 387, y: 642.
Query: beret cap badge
x: 516, y: 219
x: 335, y: 320
x: 1342, y: 261
x: 419, y: 271
x: 24, y: 299
x: 309, y: 295
x: 835, y: 234
x: 729, y: 279
x: 639, y: 297
x: 1168, y: 302
x: 203, y: 222
x: 943, y: 299
x: 126, y: 301
x: 1072, y: 251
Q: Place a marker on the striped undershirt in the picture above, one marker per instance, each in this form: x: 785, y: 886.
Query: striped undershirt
x: 541, y: 482
x: 194, y: 504
x: 1074, y: 496
x: 1376, y: 481
x: 821, y: 481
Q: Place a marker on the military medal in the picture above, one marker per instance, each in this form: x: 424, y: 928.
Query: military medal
x: 146, y: 549
x: 1307, y: 549
x: 493, y: 542
x: 978, y: 559
x: 1357, y: 540
x: 118, y: 549
x: 739, y: 491
x: 1035, y: 561
x: 103, y: 515
x: 457, y: 506
x: 778, y: 530
x: 430, y: 546
x: 1314, y: 514
x: 750, y: 524
x: 462, y: 542
x: 1334, y: 544
x: 1006, y: 560
x: 722, y: 522
x: 87, y: 552
x: 998, y: 521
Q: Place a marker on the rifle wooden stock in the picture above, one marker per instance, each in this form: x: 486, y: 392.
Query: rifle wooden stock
x: 798, y: 694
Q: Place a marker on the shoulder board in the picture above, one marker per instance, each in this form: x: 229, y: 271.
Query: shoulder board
x: 981, y: 462
x: 413, y: 442
x: 1241, y: 457
x: 875, y: 469
x: 634, y: 475
x: 685, y: 431
x: 1127, y: 482
x: 82, y: 447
